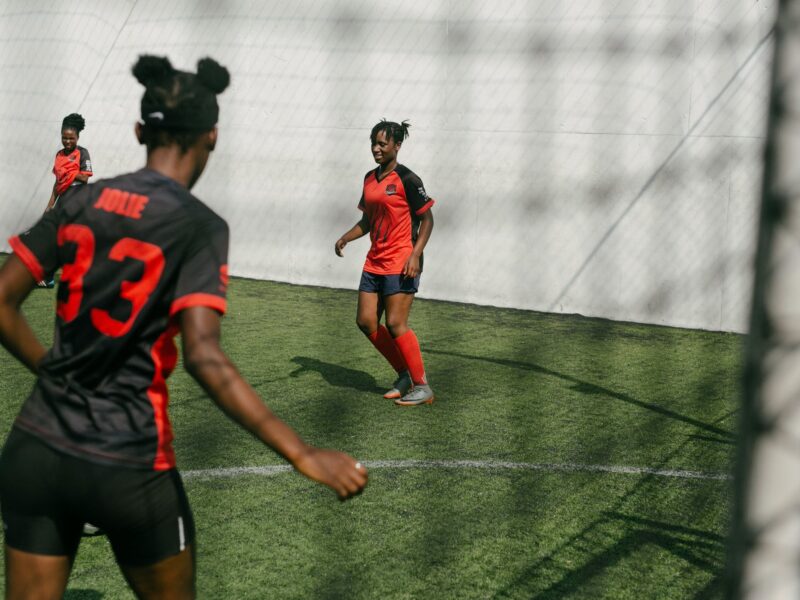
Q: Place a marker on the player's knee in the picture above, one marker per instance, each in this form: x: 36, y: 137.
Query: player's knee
x: 396, y: 327
x: 366, y: 325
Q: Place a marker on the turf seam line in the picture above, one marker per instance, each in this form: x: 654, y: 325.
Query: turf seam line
x: 471, y: 464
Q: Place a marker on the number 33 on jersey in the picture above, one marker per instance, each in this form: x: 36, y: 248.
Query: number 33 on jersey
x: 134, y: 251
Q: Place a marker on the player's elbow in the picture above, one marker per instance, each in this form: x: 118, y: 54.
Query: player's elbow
x: 7, y: 297
x: 202, y: 360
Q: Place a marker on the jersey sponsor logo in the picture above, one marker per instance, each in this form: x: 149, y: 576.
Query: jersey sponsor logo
x: 88, y: 165
x: 122, y: 203
x: 391, y: 189
x: 422, y: 192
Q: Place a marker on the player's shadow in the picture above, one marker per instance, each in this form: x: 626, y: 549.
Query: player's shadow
x: 336, y: 375
x: 83, y: 595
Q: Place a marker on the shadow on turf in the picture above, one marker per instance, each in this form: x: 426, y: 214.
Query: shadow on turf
x: 694, y: 546
x: 336, y: 375
x: 83, y: 595
x: 585, y: 387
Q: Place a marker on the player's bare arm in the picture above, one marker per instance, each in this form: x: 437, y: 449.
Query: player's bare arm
x: 358, y: 230
x: 213, y: 370
x: 51, y: 202
x: 411, y: 268
x: 16, y: 334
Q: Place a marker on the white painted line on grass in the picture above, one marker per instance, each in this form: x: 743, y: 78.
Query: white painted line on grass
x: 470, y: 464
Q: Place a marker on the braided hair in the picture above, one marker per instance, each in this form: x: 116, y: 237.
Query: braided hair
x: 178, y: 106
x: 394, y: 131
x: 73, y: 121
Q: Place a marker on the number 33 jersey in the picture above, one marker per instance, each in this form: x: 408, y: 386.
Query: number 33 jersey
x: 134, y: 251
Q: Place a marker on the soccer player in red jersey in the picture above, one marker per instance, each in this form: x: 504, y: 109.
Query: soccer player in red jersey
x: 72, y: 165
x: 397, y: 215
x: 143, y: 259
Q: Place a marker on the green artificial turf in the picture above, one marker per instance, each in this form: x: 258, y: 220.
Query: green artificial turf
x: 511, y: 386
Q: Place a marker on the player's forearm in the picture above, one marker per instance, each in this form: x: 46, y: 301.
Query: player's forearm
x: 82, y: 178
x: 425, y: 230
x: 219, y: 377
x: 52, y: 199
x: 18, y: 338
x: 16, y: 335
x: 358, y: 230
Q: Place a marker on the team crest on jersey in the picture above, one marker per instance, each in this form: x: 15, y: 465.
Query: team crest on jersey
x: 391, y: 189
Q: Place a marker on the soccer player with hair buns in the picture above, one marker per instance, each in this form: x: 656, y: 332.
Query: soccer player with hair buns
x: 397, y: 215
x: 143, y: 260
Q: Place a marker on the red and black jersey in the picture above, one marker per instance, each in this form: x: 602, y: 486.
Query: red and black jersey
x: 134, y: 251
x: 394, y: 204
x: 67, y: 166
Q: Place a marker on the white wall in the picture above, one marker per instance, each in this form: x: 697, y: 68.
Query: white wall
x: 591, y: 156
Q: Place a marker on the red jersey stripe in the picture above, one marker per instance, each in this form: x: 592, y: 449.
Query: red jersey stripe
x: 426, y: 207
x: 27, y: 257
x: 165, y: 357
x: 218, y: 303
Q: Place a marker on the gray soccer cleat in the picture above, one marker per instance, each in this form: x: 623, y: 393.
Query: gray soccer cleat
x: 401, y: 386
x: 421, y: 394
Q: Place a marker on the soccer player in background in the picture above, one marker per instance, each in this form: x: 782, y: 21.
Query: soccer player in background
x: 143, y: 259
x: 397, y: 215
x: 72, y: 166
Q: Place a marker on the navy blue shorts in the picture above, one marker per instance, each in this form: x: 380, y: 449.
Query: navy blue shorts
x: 386, y: 285
x: 47, y: 496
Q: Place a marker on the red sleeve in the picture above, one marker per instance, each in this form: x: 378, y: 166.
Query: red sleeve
x: 361, y: 205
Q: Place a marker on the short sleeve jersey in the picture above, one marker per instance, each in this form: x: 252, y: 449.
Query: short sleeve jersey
x: 134, y: 251
x: 67, y: 166
x: 394, y: 205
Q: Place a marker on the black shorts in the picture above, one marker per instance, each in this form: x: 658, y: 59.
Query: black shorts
x: 46, y: 497
x: 386, y: 285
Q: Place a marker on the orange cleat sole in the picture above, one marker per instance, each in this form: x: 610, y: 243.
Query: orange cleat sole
x: 400, y: 402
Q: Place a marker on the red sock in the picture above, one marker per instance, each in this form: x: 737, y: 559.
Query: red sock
x: 409, y: 348
x: 383, y: 341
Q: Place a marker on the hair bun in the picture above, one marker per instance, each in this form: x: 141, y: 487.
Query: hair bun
x: 150, y: 69
x: 213, y: 75
x: 73, y: 121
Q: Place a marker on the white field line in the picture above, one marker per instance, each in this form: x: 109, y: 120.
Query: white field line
x: 470, y: 464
